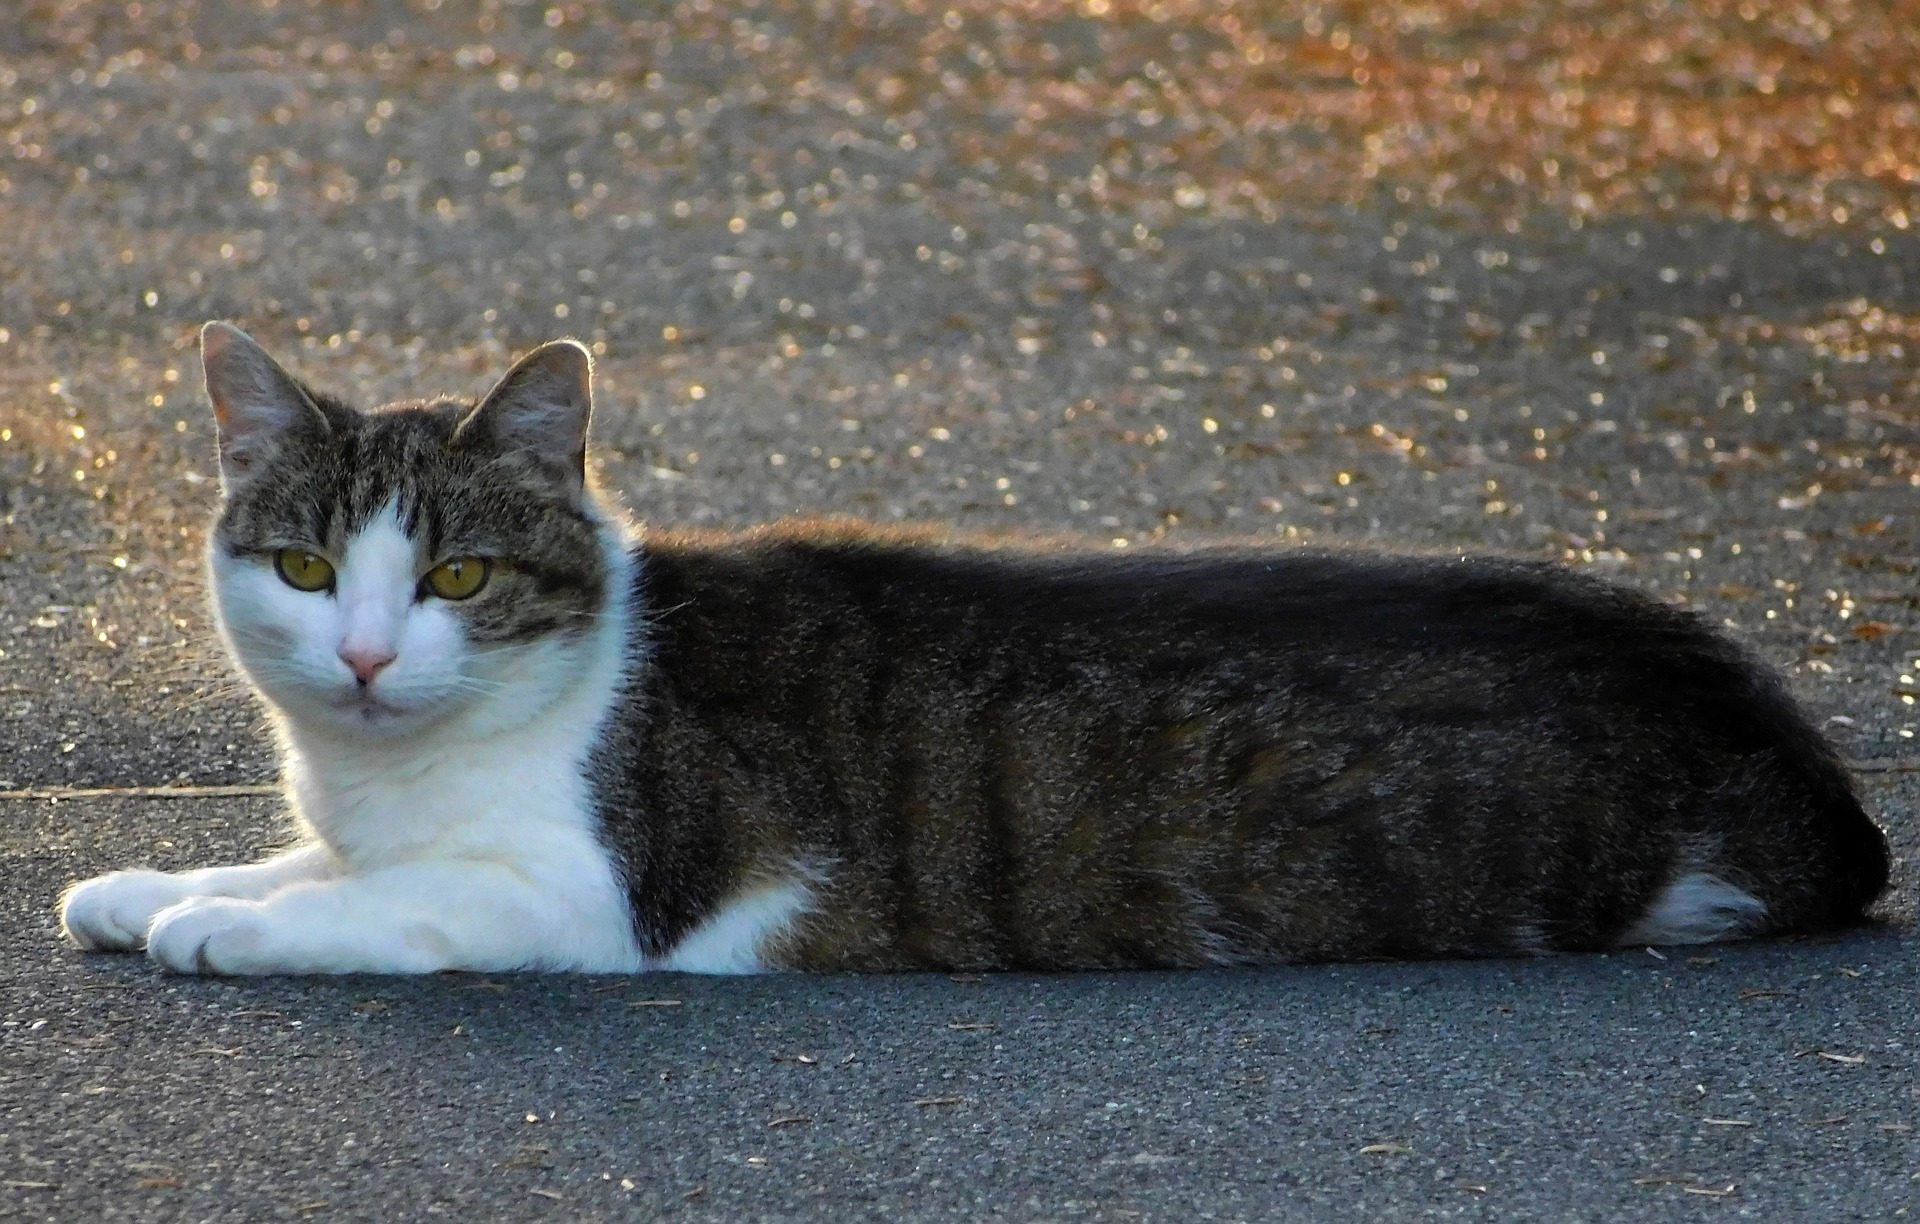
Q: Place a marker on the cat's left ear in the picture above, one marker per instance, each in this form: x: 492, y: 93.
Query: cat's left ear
x: 260, y: 408
x: 540, y: 412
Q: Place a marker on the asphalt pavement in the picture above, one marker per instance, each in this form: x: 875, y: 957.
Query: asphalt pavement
x: 1137, y: 272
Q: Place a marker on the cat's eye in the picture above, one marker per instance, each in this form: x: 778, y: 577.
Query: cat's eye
x: 302, y: 570
x: 460, y: 578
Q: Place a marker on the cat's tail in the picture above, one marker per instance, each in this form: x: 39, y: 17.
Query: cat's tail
x: 1788, y: 848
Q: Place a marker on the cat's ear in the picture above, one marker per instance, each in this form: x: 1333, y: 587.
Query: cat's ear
x: 539, y: 413
x: 257, y: 405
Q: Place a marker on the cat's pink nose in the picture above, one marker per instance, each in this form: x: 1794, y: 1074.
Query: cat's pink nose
x: 366, y: 664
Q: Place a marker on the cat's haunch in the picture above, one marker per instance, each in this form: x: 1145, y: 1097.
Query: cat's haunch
x: 517, y: 735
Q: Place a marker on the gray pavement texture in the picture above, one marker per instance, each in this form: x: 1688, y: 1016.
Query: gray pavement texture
x: 1130, y: 271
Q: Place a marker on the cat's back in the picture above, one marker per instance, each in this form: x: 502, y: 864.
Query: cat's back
x: 1057, y: 591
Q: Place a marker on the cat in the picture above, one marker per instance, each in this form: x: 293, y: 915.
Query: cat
x: 516, y: 735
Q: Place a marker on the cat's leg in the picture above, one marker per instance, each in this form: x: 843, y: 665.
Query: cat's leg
x: 412, y: 918
x: 111, y: 913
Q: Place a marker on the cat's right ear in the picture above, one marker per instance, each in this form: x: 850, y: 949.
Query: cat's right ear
x: 539, y: 412
x: 258, y: 406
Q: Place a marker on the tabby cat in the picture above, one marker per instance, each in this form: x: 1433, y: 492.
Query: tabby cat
x: 515, y: 736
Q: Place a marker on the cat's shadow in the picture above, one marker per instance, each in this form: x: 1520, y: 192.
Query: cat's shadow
x: 1534, y: 998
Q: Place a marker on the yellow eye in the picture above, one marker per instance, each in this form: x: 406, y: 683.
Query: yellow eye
x: 302, y: 570
x: 460, y: 578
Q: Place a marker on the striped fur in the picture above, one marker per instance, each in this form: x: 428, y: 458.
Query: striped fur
x: 1048, y: 757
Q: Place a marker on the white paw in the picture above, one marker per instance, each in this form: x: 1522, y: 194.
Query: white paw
x: 211, y: 935
x: 111, y: 913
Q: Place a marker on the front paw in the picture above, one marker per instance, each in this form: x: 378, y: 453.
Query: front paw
x: 210, y: 935
x: 111, y: 913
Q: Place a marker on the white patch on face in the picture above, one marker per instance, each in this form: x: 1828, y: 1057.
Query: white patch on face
x: 295, y: 644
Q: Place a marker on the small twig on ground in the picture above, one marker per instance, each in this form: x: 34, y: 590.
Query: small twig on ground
x: 58, y: 793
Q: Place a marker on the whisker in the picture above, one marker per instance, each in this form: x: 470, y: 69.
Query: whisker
x: 473, y: 684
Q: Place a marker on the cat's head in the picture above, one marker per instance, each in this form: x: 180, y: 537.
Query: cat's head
x: 381, y: 573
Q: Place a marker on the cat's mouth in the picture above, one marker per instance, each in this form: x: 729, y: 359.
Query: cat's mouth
x: 367, y: 710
